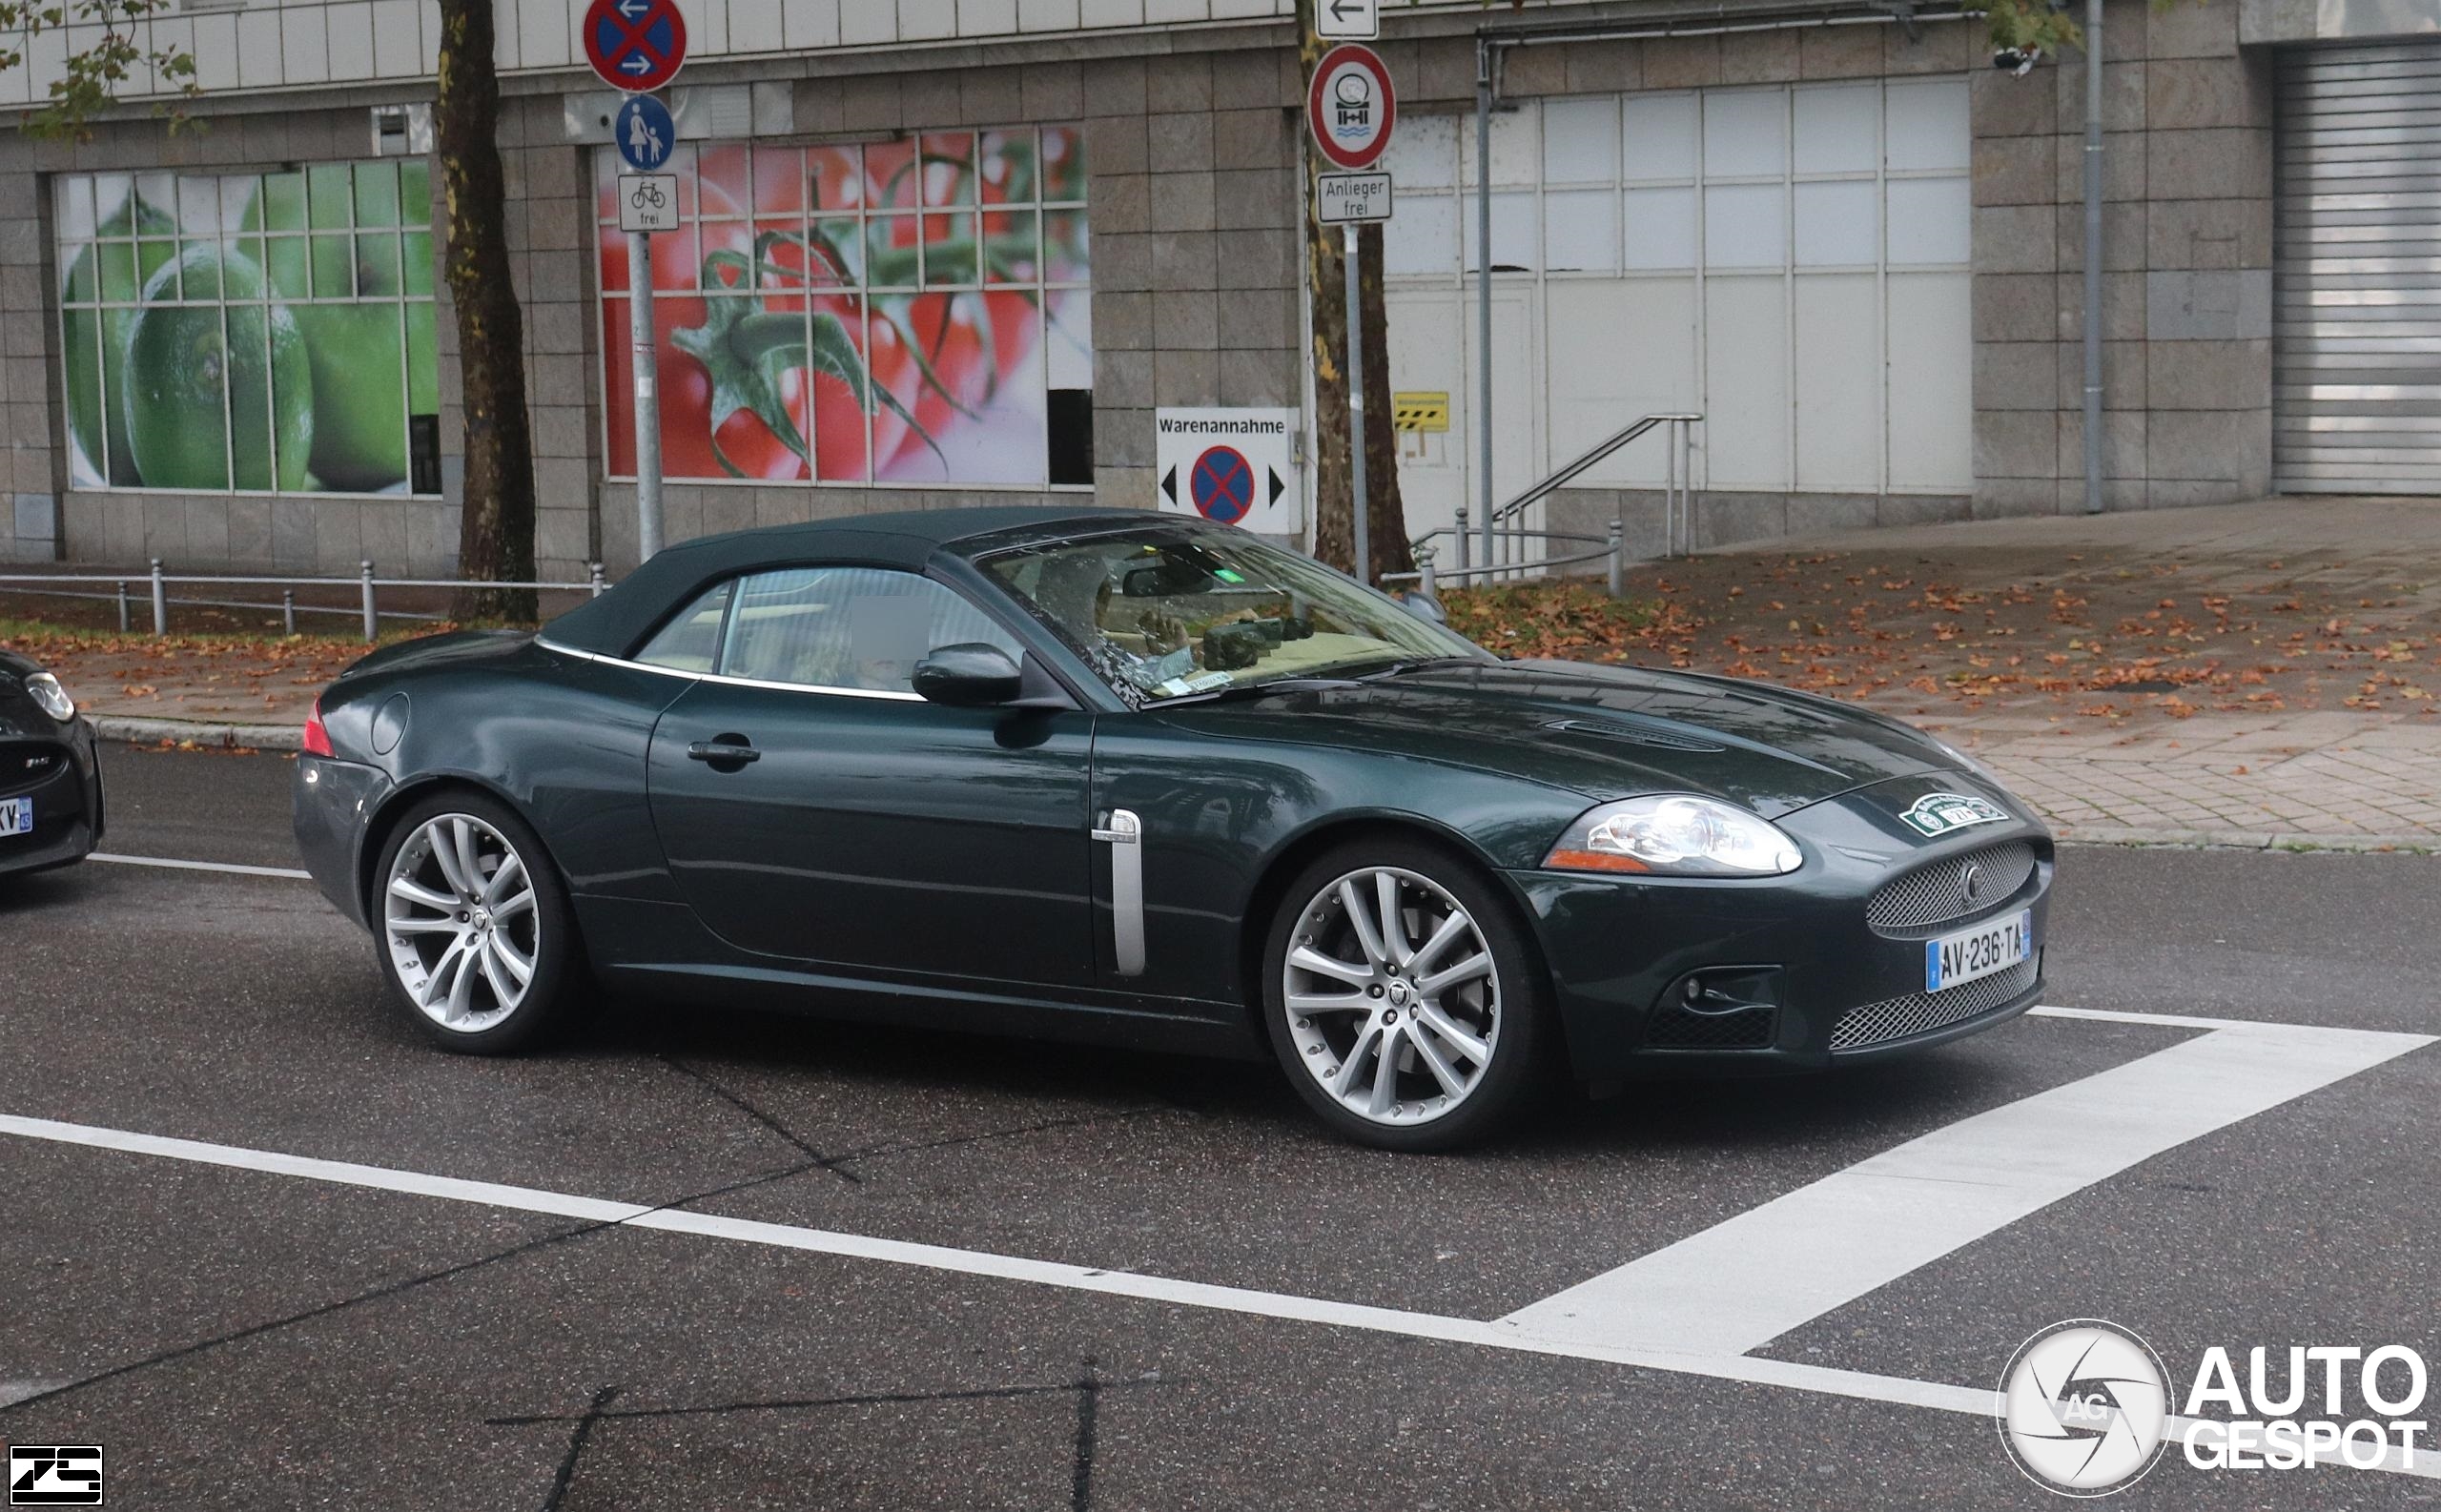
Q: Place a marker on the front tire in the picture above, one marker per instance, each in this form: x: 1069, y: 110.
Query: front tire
x: 472, y: 926
x: 1403, y: 998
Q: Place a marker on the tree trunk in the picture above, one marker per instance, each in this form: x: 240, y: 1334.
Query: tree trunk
x: 1387, y: 522
x: 1326, y: 295
x: 496, y: 523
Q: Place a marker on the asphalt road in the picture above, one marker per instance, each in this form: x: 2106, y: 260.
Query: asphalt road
x: 237, y: 1332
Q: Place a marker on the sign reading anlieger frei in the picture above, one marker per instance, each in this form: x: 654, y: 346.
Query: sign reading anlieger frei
x: 1351, y: 107
x: 1233, y: 467
x: 1343, y: 198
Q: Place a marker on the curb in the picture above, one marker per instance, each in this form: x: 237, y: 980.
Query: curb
x: 148, y: 731
x: 2248, y: 840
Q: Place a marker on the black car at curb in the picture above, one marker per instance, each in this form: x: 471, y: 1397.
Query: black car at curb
x: 1104, y: 775
x: 48, y: 765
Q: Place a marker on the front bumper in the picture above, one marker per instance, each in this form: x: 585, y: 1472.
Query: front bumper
x: 1806, y: 981
x: 63, y: 775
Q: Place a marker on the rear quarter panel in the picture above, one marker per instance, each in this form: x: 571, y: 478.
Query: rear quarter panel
x: 564, y: 740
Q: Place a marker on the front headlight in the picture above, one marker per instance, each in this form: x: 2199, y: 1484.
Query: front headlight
x: 1674, y: 834
x: 51, y: 697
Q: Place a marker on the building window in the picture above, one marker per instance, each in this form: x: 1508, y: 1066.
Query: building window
x: 908, y: 312
x: 1793, y: 261
x: 251, y: 332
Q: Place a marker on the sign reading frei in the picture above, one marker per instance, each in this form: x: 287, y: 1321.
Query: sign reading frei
x: 647, y: 202
x: 1234, y: 466
x: 1347, y: 20
x: 635, y: 45
x: 1351, y: 107
x: 1342, y: 199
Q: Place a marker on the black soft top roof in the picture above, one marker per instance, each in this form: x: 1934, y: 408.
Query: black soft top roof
x: 613, y: 624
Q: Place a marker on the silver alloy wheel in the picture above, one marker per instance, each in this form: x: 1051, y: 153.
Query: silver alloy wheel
x: 1392, y: 997
x: 458, y: 913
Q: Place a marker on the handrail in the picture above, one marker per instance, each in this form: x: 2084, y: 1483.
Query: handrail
x: 1599, y: 450
x: 1677, y: 496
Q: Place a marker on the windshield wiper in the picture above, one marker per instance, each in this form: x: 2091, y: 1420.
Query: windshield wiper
x: 1276, y: 685
x: 1416, y: 664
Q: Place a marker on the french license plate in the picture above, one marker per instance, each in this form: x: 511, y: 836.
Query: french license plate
x: 1979, y: 951
x: 16, y: 816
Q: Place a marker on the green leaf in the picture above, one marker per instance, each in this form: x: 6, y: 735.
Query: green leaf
x: 746, y: 350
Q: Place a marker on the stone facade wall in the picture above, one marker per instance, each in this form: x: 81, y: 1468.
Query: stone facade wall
x: 2186, y: 281
x: 1193, y: 144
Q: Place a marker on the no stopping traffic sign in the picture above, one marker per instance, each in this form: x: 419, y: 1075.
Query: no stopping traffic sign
x: 635, y: 45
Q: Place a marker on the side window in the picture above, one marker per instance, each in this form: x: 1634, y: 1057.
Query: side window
x: 686, y: 643
x: 859, y: 629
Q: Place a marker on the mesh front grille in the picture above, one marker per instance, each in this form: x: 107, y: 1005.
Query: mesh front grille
x: 24, y: 762
x: 1938, y: 893
x: 1673, y: 1027
x: 1922, y: 1012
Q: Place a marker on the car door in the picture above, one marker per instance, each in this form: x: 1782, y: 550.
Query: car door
x: 812, y: 805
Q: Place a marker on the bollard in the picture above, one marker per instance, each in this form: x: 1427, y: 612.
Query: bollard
x: 1462, y: 538
x: 372, y: 625
x: 594, y: 573
x: 288, y: 611
x: 1618, y: 567
x: 122, y: 606
x: 160, y: 602
x: 1425, y: 583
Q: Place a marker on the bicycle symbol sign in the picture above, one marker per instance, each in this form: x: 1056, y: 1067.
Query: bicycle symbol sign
x: 647, y: 202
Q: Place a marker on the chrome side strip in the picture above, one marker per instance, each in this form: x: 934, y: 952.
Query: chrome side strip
x: 728, y: 681
x: 1125, y: 836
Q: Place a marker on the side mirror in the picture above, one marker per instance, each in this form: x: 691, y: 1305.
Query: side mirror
x: 971, y: 675
x: 1423, y: 606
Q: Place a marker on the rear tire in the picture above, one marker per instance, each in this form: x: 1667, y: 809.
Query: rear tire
x: 472, y: 927
x: 1428, y: 1034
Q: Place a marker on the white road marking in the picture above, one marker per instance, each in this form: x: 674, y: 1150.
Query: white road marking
x: 202, y: 866
x: 1817, y: 1379
x: 1747, y: 1280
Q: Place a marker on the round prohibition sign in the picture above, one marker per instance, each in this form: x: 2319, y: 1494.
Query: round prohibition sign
x: 1223, y: 485
x: 1351, y: 107
x: 635, y: 45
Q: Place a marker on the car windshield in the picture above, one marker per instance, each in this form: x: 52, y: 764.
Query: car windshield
x: 1172, y: 613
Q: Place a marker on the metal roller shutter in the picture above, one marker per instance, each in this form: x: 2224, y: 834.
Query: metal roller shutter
x: 2357, y: 353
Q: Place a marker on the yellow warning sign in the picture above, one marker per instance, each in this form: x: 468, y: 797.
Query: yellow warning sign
x: 1420, y: 412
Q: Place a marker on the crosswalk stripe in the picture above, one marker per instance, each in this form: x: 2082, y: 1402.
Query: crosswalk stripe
x: 1747, y: 1280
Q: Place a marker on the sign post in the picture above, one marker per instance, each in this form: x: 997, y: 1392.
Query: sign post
x: 1351, y: 108
x: 635, y: 45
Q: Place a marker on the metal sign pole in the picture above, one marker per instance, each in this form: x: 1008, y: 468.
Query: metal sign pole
x: 647, y: 405
x: 1356, y: 412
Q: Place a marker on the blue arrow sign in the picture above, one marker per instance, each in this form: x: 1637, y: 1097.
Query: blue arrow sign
x: 644, y: 133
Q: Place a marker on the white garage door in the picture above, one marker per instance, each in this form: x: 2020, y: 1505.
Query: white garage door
x: 2357, y: 351
x: 1790, y: 261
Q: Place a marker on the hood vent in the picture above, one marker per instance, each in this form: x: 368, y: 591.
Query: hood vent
x: 1634, y: 735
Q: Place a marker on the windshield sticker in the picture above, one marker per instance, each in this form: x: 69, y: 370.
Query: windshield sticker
x: 1940, y: 813
x: 1205, y: 681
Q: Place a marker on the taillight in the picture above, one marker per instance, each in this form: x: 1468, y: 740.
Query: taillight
x: 318, y: 740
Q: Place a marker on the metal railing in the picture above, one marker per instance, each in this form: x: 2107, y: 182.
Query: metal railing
x: 1498, y: 544
x: 366, y: 583
x: 1428, y: 579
